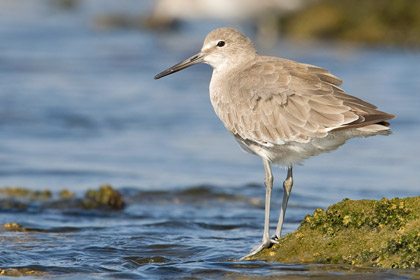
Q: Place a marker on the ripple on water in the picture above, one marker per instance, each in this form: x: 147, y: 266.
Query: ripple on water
x: 156, y: 236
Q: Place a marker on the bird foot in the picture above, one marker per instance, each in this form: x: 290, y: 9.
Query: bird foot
x: 275, y: 239
x: 265, y: 244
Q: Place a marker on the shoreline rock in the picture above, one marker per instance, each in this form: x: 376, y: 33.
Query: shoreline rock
x: 19, y: 199
x: 363, y: 233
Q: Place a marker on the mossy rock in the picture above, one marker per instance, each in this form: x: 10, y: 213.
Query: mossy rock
x: 368, y: 233
x: 26, y: 194
x: 21, y: 272
x: 17, y: 198
x: 66, y: 194
x: 106, y: 197
x: 15, y: 227
x: 371, y: 22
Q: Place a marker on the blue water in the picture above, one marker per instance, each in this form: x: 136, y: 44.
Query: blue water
x: 79, y: 108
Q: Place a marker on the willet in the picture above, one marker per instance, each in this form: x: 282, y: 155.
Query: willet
x: 280, y: 110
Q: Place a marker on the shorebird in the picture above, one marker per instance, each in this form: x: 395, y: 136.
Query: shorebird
x: 281, y: 110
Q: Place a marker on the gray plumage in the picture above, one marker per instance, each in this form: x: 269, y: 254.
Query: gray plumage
x: 281, y: 110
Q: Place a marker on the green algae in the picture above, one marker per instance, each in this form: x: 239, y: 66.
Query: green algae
x: 365, y: 233
x: 22, y: 193
x: 66, y: 194
x: 21, y: 272
x: 374, y: 215
x: 106, y: 196
x: 369, y: 22
x: 14, y: 227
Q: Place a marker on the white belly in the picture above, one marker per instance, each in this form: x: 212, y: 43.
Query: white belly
x: 292, y: 152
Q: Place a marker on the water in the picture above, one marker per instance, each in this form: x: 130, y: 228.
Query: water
x: 79, y: 108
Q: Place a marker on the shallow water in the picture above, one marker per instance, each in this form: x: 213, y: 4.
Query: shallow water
x: 79, y: 108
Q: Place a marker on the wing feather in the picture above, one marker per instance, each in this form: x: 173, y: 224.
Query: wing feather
x: 277, y: 100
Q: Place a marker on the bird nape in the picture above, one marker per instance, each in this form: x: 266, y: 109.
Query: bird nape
x: 281, y: 110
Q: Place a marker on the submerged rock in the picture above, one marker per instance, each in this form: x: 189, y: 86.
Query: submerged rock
x: 21, y: 272
x: 106, y: 196
x: 368, y: 233
x: 26, y: 194
x: 66, y: 194
x: 15, y: 227
x: 369, y: 22
x: 20, y: 199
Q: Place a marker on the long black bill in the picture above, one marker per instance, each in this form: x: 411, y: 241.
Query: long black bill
x: 195, y: 59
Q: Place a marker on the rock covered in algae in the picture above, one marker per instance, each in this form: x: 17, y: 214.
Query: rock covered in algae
x: 21, y: 272
x: 369, y: 233
x: 15, y: 227
x: 17, y: 198
x: 22, y: 193
x: 66, y: 194
x: 369, y: 22
x: 106, y: 196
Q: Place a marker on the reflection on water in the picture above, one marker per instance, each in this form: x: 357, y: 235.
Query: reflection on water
x: 79, y: 108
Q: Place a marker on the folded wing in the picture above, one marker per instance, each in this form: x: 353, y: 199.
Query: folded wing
x: 279, y: 100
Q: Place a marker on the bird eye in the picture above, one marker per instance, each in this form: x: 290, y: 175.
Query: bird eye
x: 220, y: 43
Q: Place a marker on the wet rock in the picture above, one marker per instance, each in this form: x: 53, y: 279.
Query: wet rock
x: 20, y: 272
x: 11, y: 205
x: 65, y: 4
x: 106, y: 196
x: 15, y: 227
x: 368, y: 22
x: 367, y: 233
x: 18, y: 199
x: 66, y: 194
x: 26, y: 194
x: 124, y: 21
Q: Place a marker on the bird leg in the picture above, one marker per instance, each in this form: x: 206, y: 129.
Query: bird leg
x: 287, y: 186
x: 266, y: 240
